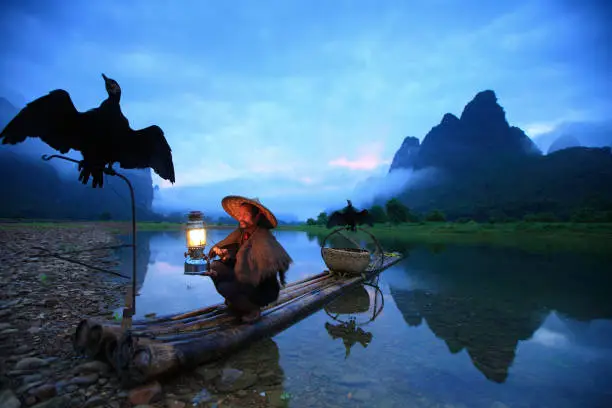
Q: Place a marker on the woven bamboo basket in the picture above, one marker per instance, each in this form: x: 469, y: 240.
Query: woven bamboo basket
x: 351, y: 261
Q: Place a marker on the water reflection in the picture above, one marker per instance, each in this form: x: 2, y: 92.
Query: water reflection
x: 143, y: 256
x: 261, y: 359
x: 462, y: 325
x: 164, y: 288
x: 479, y: 300
x: 343, y: 310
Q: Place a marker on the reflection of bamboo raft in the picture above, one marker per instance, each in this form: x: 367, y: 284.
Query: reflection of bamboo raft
x: 165, y: 344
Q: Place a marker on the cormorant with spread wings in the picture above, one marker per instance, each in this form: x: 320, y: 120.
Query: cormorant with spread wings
x: 350, y: 218
x: 102, y: 135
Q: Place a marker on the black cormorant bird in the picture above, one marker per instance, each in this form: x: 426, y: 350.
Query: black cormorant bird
x: 102, y: 135
x: 350, y: 218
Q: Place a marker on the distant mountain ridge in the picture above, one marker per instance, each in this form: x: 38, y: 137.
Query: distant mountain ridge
x: 588, y: 134
x: 32, y: 188
x: 490, y: 167
x: 457, y: 143
x: 563, y: 142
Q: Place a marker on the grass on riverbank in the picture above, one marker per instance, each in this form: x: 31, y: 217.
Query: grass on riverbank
x: 113, y: 225
x: 473, y: 228
x: 416, y: 230
x: 531, y: 236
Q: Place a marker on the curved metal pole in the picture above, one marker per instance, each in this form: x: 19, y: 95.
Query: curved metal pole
x: 112, y: 172
x: 339, y: 230
x: 375, y: 311
x: 378, y: 247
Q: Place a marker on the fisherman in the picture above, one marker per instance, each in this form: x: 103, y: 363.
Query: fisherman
x: 250, y: 259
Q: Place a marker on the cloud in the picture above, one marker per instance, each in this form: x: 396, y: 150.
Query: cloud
x: 387, y: 186
x: 536, y: 129
x: 588, y: 133
x: 290, y: 197
x: 549, y: 338
x: 289, y: 99
x: 368, y: 158
x: 307, y: 180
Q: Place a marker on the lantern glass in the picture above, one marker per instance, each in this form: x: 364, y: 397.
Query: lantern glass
x: 196, y: 232
x: 195, y: 260
x: 196, y: 237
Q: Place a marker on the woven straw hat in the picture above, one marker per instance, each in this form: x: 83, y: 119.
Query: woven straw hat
x: 232, y: 203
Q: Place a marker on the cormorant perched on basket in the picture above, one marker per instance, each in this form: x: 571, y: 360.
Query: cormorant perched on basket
x: 102, y: 135
x: 350, y: 218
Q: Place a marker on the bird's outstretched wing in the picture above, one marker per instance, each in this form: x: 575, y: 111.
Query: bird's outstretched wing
x: 336, y: 219
x: 145, y: 148
x: 364, y: 217
x: 53, y: 118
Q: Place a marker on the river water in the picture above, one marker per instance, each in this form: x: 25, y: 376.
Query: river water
x: 455, y: 325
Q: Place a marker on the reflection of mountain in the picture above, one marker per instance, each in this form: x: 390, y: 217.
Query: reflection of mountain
x: 490, y: 339
x: 143, y: 256
x: 485, y: 300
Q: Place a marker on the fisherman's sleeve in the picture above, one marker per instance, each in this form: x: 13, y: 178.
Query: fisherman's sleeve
x: 232, y: 239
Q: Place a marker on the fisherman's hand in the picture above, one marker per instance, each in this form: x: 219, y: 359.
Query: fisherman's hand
x: 219, y: 251
x: 211, y: 272
x: 223, y: 253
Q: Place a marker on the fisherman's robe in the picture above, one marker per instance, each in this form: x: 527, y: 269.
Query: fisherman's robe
x: 257, y: 258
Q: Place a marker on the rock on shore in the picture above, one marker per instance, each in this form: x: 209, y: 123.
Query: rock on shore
x: 42, y: 300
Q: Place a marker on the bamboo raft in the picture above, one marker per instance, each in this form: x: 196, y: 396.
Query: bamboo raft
x: 163, y: 345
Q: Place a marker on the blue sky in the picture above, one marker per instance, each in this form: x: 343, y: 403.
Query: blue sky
x: 298, y: 101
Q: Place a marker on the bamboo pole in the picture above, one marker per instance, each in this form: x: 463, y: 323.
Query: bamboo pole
x: 186, y: 334
x: 143, y: 359
x: 220, y: 308
x: 180, y: 316
x: 216, y: 307
x: 308, y: 278
x: 157, y: 346
x: 149, y: 360
x: 221, y: 319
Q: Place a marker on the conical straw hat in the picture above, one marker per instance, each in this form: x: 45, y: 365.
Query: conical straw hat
x: 232, y: 203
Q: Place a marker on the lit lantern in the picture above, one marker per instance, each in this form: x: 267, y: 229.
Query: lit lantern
x: 195, y: 260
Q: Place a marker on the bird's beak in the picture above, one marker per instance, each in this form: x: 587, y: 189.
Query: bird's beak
x: 104, y: 76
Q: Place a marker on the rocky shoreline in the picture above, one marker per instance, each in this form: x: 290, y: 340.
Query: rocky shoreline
x: 42, y: 300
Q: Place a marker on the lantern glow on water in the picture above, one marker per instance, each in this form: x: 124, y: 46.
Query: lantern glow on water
x: 195, y: 261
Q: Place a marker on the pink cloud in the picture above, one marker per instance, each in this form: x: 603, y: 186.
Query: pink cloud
x: 369, y: 158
